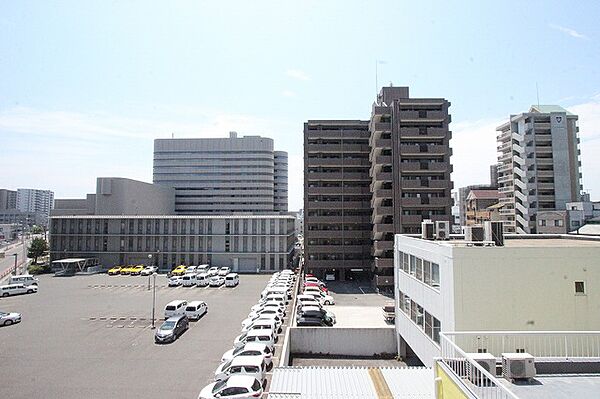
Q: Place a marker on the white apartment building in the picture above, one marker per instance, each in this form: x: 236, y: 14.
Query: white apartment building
x: 532, y: 283
x: 538, y: 165
x: 35, y: 201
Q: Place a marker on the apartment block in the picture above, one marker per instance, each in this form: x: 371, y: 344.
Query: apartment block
x: 410, y: 170
x: 538, y: 165
x: 35, y: 201
x: 337, y: 212
x: 222, y: 175
x: 8, y: 199
x: 533, y: 283
x: 477, y: 206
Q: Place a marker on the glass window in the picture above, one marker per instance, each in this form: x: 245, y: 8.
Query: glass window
x: 428, y: 325
x: 413, y: 265
x: 437, y: 327
x: 420, y: 316
x: 405, y: 263
x: 427, y: 272
x: 435, y: 275
x: 419, y: 273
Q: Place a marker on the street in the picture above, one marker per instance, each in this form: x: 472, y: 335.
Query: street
x: 9, y: 260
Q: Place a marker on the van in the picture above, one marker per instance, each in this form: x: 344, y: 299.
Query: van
x: 25, y: 279
x: 253, y: 366
x: 232, y: 280
x: 188, y: 279
x: 202, y: 269
x: 175, y: 308
x: 16, y: 289
x: 196, y: 309
x: 202, y: 279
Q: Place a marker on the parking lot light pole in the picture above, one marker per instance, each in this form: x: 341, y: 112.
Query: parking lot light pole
x: 153, y: 299
x: 15, y: 255
x: 149, y: 257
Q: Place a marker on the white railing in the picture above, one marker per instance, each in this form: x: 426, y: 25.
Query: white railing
x: 474, y: 378
x: 554, y: 344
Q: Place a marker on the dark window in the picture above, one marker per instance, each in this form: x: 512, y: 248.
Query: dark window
x: 579, y: 287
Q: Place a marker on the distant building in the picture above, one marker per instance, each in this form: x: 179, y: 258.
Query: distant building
x: 477, y: 204
x: 532, y: 283
x: 8, y: 231
x: 463, y: 193
x: 8, y: 199
x: 576, y: 215
x: 35, y: 201
x: 222, y: 175
x: 300, y: 222
x: 539, y: 167
x: 494, y: 175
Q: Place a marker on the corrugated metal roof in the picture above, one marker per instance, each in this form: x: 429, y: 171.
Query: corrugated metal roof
x: 348, y: 382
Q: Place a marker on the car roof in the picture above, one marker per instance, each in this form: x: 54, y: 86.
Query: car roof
x: 255, y: 360
x: 176, y: 302
x: 240, y: 380
x: 231, y: 275
x: 259, y: 332
x: 255, y: 346
x: 311, y: 308
x: 176, y: 317
x: 195, y: 303
x: 305, y: 296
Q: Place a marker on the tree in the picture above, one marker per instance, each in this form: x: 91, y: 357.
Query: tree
x: 37, y: 230
x: 38, y: 247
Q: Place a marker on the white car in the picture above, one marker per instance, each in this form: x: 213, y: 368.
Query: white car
x: 235, y: 387
x: 6, y: 319
x: 253, y: 366
x: 268, y: 310
x: 16, y: 289
x: 308, y: 303
x: 250, y: 349
x: 322, y: 297
x: 148, y: 270
x: 191, y: 269
x: 213, y: 271
x: 175, y: 281
x: 264, y: 305
x: 224, y: 271
x: 216, y: 281
x: 240, y: 340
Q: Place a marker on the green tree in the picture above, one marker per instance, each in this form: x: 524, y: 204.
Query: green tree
x: 37, y: 230
x: 37, y: 248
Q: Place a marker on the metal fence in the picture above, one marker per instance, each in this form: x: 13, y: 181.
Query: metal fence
x: 475, y: 379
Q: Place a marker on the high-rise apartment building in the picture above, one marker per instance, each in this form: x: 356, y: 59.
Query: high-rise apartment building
x: 538, y: 165
x: 35, y: 201
x: 337, y: 211
x: 222, y: 175
x: 8, y: 199
x: 368, y: 180
x: 410, y: 170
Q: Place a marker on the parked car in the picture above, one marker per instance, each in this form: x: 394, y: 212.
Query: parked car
x: 188, y: 280
x: 236, y: 386
x: 316, y: 285
x: 191, y: 269
x: 314, y: 322
x: 171, y: 329
x: 322, y: 297
x: 213, y: 271
x: 253, y: 366
x: 149, y: 270
x: 196, y: 309
x: 25, y: 279
x: 175, y: 281
x: 240, y: 340
x: 308, y: 303
x: 136, y: 270
x: 232, y: 280
x: 16, y: 289
x: 250, y: 349
x: 216, y: 281
x: 175, y: 308
x: 267, y: 337
x: 313, y: 311
x: 224, y: 271
x: 126, y: 270
x: 6, y: 319
x: 179, y: 270
x: 202, y: 279
x: 114, y: 271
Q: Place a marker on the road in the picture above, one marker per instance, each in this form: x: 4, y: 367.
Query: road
x: 9, y: 260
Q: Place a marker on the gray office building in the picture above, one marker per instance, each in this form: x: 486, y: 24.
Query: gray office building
x: 222, y: 175
x: 125, y: 221
x: 538, y: 165
x: 8, y: 199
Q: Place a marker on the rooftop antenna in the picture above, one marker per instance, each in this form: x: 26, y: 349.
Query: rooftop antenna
x: 537, y: 92
x: 172, y: 135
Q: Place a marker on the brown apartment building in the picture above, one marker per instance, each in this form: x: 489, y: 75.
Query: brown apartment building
x: 398, y: 167
x: 337, y: 213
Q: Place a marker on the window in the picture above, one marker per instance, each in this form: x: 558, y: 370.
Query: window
x: 579, y: 287
x: 558, y: 223
x: 419, y: 273
x: 435, y: 275
x: 542, y: 222
x: 413, y: 265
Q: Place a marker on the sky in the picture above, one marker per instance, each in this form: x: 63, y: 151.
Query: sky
x: 85, y: 87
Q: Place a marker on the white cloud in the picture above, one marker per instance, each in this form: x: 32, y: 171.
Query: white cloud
x: 569, y: 31
x: 288, y: 93
x: 297, y: 74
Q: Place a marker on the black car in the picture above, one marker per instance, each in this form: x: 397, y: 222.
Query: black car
x: 321, y: 313
x: 171, y: 329
x: 314, y: 322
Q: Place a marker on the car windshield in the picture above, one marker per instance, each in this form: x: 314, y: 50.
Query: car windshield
x: 238, y: 350
x: 3, y: 314
x: 167, y: 325
x: 218, y: 386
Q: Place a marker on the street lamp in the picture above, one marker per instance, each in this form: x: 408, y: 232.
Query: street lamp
x: 15, y: 255
x: 149, y: 257
x: 153, y: 298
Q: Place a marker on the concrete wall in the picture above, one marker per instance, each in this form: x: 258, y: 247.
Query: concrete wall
x: 343, y: 341
x: 118, y: 196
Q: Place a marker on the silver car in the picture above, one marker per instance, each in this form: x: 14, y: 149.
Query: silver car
x: 6, y: 319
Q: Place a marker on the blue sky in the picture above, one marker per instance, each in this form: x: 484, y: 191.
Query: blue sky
x: 86, y: 86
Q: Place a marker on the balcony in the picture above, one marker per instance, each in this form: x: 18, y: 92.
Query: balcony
x: 382, y: 228
x: 383, y: 176
x: 338, y: 148
x: 383, y: 210
x: 384, y: 263
x: 382, y: 143
x: 383, y: 159
x: 384, y: 281
x: 380, y: 247
x: 380, y: 126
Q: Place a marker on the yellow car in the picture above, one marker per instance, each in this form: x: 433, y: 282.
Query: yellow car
x: 136, y: 270
x: 114, y: 270
x: 126, y: 270
x: 179, y: 270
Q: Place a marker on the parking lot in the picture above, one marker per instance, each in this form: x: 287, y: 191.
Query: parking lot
x: 90, y: 337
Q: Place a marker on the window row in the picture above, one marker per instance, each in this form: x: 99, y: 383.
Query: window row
x: 425, y: 320
x: 423, y: 270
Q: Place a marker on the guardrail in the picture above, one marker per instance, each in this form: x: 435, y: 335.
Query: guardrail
x: 557, y: 344
x: 471, y: 376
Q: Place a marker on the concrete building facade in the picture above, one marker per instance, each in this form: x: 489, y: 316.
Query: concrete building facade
x: 539, y: 166
x: 35, y: 201
x: 8, y: 199
x: 222, y: 175
x: 532, y: 283
x: 337, y: 226
x: 477, y: 206
x: 410, y: 170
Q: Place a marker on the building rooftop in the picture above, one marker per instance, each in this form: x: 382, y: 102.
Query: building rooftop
x: 351, y: 382
x: 524, y: 241
x: 546, y: 109
x: 557, y: 386
x: 483, y: 194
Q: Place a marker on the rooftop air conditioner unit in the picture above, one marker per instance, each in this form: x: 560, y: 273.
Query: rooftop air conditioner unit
x: 485, y: 360
x: 427, y: 229
x: 518, y: 366
x: 474, y: 234
x: 493, y: 232
x: 442, y: 230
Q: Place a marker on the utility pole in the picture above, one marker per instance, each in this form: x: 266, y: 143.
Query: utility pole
x: 153, y: 299
x: 15, y: 271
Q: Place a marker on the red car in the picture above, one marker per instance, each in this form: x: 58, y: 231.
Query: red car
x: 309, y: 284
x: 309, y: 275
